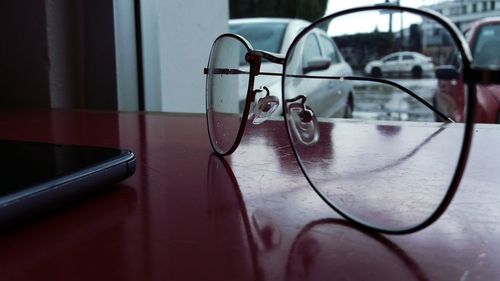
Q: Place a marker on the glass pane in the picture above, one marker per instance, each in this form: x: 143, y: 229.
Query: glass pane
x: 484, y: 41
x: 487, y: 45
x: 392, y: 162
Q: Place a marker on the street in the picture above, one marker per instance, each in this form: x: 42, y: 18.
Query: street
x: 378, y: 101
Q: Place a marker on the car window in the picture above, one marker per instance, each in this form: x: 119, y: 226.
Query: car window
x: 486, y: 45
x: 329, y: 48
x: 391, y: 58
x: 311, y: 48
x: 262, y: 35
x: 454, y: 59
x: 408, y: 57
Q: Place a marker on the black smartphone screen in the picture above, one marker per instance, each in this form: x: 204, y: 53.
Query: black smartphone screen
x: 26, y: 164
x: 39, y: 177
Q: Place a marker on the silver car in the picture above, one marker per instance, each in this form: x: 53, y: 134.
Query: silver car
x: 328, y: 98
x: 401, y: 63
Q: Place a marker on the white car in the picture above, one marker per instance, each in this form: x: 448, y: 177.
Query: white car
x: 401, y: 63
x: 276, y: 35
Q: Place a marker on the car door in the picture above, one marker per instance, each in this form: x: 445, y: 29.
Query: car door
x: 313, y: 89
x: 335, y: 91
x: 407, y: 63
x: 391, y: 63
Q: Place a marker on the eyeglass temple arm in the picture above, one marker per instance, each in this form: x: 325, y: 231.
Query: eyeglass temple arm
x: 229, y: 71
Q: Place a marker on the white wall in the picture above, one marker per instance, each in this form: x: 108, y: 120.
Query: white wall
x: 177, y: 36
x: 126, y: 55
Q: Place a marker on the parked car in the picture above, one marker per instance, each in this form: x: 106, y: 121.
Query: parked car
x: 400, y: 63
x: 276, y: 35
x: 483, y: 37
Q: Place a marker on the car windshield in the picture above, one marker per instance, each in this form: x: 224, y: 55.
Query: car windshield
x: 262, y: 35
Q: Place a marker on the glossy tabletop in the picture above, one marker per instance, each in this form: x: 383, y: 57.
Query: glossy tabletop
x: 188, y: 215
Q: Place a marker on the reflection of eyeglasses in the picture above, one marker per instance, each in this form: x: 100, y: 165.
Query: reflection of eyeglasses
x: 358, y: 64
x: 314, y: 236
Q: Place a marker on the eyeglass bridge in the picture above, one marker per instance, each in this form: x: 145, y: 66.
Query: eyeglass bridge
x: 254, y: 58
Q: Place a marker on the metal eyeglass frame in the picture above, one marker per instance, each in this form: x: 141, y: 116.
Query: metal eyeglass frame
x: 472, y: 75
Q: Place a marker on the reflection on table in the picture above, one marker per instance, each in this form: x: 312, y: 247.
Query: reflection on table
x: 188, y: 215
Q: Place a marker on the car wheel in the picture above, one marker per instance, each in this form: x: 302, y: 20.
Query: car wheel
x: 416, y: 72
x: 349, y: 107
x: 376, y: 72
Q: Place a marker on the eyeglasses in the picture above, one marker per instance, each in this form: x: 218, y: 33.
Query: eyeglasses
x: 402, y: 75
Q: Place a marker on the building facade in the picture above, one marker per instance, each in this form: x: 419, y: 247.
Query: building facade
x: 464, y: 12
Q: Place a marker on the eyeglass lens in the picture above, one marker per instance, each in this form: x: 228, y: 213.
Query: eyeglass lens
x: 226, y: 91
x: 392, y: 162
x: 373, y: 101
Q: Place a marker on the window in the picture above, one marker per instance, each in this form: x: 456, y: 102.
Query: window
x: 464, y: 9
x: 391, y: 59
x: 408, y: 57
x: 492, y: 5
x: 474, y: 7
x: 311, y: 48
x: 485, y: 47
x: 454, y: 11
x: 329, y: 48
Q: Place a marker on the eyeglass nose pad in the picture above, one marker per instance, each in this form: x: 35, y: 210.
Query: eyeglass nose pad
x: 264, y: 108
x: 303, y: 123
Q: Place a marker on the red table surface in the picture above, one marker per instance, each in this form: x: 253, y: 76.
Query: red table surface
x: 187, y: 215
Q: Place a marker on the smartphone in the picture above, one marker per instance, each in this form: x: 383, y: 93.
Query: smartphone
x: 37, y: 177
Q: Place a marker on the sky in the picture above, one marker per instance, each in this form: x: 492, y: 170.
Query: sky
x: 338, y: 5
x: 365, y: 22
